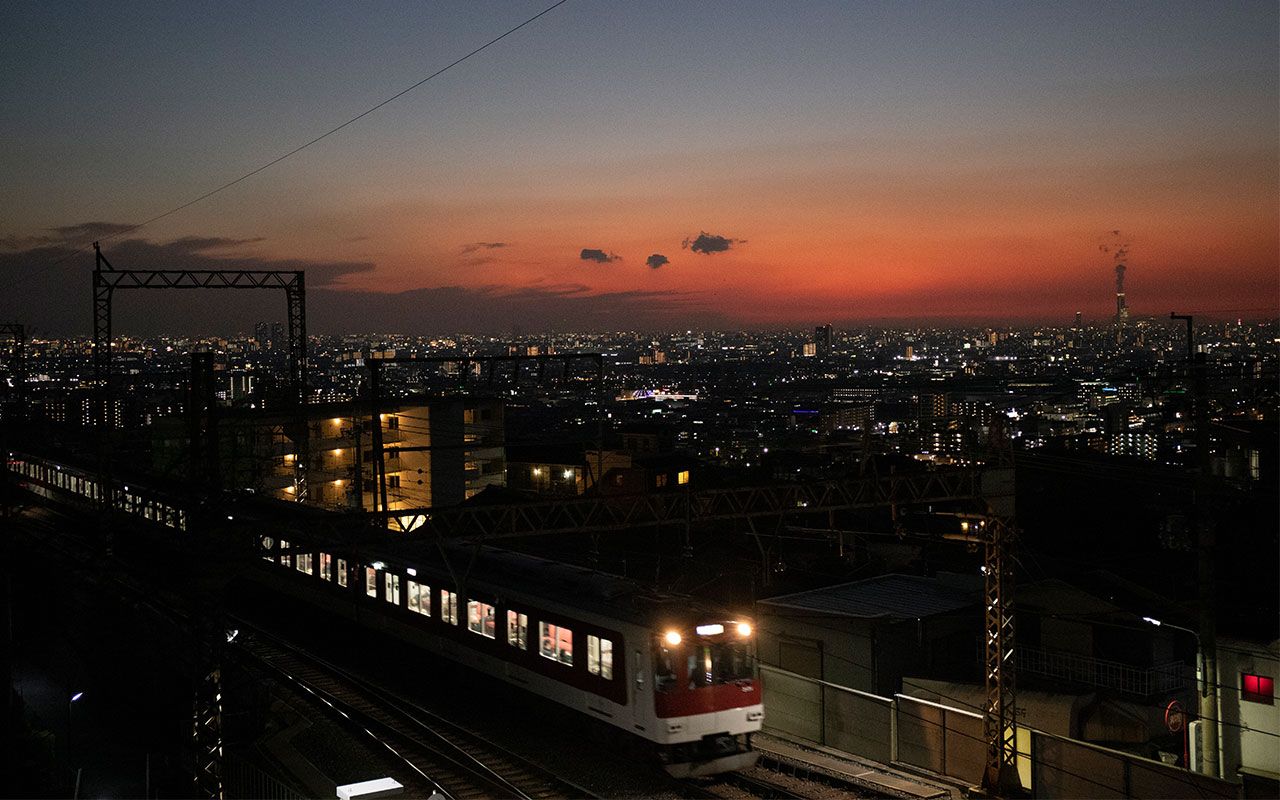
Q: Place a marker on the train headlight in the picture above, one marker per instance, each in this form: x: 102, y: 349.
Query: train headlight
x: 744, y: 629
x: 672, y: 638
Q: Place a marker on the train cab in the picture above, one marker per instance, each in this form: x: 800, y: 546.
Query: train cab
x: 706, y: 696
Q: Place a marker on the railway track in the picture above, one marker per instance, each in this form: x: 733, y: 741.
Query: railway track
x: 446, y: 756
x: 762, y: 782
x: 440, y: 756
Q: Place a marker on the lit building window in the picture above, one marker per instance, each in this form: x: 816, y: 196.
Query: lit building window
x: 480, y: 619
x: 557, y: 643
x: 1257, y: 688
x: 682, y: 477
x: 518, y: 630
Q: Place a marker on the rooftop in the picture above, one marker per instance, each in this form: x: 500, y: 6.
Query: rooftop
x: 888, y: 597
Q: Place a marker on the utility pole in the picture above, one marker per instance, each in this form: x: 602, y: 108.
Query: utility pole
x: 1205, y: 542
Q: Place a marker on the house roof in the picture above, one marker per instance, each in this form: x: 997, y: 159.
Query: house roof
x: 889, y: 597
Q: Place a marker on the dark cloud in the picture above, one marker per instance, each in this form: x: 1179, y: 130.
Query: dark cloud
x: 80, y: 234
x: 474, y: 246
x: 48, y: 288
x: 44, y: 283
x: 598, y: 256
x: 454, y: 309
x: 92, y: 230
x: 708, y: 243
x: 657, y: 260
x: 199, y: 244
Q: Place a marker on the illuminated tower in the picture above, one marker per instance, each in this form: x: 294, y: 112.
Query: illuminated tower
x: 1116, y: 245
x: 1122, y: 310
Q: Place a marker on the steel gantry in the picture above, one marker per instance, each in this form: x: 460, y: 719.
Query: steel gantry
x: 628, y: 511
x: 995, y: 534
x: 107, y: 279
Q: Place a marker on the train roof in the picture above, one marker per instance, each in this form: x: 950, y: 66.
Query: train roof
x: 497, y: 570
x: 893, y: 597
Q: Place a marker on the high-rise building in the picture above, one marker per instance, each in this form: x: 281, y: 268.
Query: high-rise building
x: 822, y: 337
x: 270, y: 336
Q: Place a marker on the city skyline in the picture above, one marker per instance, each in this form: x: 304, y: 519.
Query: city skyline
x: 710, y: 167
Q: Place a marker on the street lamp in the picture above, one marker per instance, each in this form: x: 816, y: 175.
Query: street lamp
x: 1200, y: 676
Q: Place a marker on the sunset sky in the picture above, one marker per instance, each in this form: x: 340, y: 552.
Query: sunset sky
x: 846, y: 161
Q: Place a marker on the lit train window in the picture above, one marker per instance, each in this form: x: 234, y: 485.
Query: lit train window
x: 286, y: 559
x: 720, y: 662
x: 392, y: 586
x: 480, y: 619
x: 518, y: 630
x: 326, y: 567
x: 600, y: 657
x: 701, y: 670
x: 371, y: 581
x: 342, y: 572
x: 305, y: 563
x: 267, y: 544
x: 557, y: 643
x: 664, y: 670
x: 419, y: 598
x: 449, y: 606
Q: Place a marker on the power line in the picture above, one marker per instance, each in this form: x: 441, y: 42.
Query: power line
x: 79, y: 248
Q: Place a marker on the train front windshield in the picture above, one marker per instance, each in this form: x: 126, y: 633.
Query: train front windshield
x: 712, y: 663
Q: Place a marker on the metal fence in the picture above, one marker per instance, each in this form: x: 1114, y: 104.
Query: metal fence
x: 846, y: 719
x: 242, y: 779
x: 949, y: 741
x: 940, y: 739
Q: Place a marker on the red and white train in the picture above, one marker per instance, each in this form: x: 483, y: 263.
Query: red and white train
x: 666, y: 668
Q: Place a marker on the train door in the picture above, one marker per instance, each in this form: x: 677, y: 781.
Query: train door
x: 641, y: 705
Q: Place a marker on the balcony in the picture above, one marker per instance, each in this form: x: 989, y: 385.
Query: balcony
x: 1164, y: 678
